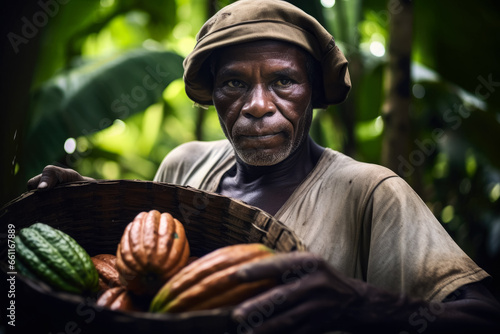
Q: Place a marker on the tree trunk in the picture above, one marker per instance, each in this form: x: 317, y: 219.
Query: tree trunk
x: 20, y: 48
x: 396, y: 107
x: 347, y: 109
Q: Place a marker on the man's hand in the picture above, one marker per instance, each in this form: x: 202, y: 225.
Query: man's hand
x: 310, y: 298
x: 315, y: 298
x: 53, y: 175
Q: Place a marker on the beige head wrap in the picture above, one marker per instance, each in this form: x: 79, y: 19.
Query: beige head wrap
x: 251, y: 20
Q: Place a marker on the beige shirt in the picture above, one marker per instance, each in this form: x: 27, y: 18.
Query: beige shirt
x: 364, y: 219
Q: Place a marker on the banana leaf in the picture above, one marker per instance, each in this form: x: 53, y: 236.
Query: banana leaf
x: 89, y: 98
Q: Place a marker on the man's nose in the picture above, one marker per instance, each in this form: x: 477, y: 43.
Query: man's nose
x: 259, y: 103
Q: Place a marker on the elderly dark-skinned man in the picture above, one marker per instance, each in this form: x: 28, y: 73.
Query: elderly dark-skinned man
x: 379, y: 260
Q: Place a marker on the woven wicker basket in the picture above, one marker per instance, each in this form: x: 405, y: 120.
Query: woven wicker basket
x: 95, y: 215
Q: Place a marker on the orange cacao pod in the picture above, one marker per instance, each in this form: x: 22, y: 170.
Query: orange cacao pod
x: 153, y: 248
x: 210, y: 281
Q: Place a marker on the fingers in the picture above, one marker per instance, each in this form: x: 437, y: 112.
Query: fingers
x: 286, y: 296
x: 310, y: 316
x: 315, y: 315
x: 52, y: 176
x: 286, y: 268
x: 298, y: 274
x: 308, y: 287
x: 34, y: 182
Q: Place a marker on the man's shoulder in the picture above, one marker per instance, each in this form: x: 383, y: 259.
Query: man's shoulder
x: 341, y: 166
x: 191, y: 157
x: 362, y: 181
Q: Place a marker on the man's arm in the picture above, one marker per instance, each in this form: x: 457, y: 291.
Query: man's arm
x: 314, y: 298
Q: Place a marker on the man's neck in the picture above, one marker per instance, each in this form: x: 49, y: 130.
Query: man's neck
x: 296, y: 166
x: 269, y: 187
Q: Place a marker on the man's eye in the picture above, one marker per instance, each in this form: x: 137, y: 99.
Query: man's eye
x: 284, y: 82
x: 235, y: 84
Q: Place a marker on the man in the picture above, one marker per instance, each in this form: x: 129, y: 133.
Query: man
x: 379, y: 260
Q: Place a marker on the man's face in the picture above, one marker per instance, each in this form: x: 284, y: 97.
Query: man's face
x: 262, y: 95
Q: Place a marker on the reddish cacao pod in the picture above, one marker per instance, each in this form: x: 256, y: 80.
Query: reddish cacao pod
x: 108, y: 275
x: 117, y: 298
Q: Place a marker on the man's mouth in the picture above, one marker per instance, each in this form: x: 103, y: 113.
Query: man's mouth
x: 258, y: 136
x: 259, y: 140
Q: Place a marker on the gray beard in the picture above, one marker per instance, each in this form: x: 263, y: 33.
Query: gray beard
x: 259, y: 158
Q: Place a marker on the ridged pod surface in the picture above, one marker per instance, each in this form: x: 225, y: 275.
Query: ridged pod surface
x: 106, y: 268
x: 153, y: 248
x: 210, y: 281
x: 117, y: 298
x: 52, y: 256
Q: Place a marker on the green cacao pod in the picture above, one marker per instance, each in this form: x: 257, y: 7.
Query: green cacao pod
x: 49, y: 255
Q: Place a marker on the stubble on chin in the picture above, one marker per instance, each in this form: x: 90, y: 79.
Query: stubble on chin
x: 259, y: 157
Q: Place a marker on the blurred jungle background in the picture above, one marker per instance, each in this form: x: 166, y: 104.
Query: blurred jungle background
x: 97, y: 86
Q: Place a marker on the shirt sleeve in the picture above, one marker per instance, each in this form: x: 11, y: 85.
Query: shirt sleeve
x: 195, y: 164
x: 409, y: 249
x: 177, y: 163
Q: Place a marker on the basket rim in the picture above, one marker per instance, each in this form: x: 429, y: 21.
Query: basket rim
x: 154, y: 186
x: 124, y: 182
x: 116, y: 181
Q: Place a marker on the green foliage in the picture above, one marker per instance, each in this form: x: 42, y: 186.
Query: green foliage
x: 109, y: 65
x: 89, y: 98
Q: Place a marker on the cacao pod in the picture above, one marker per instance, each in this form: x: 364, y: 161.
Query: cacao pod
x: 117, y: 298
x: 153, y: 248
x: 108, y: 275
x: 52, y: 256
x: 210, y: 281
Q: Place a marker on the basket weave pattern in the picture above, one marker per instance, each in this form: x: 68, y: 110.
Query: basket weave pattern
x: 96, y: 214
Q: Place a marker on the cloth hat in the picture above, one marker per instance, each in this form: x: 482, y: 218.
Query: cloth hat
x: 251, y: 20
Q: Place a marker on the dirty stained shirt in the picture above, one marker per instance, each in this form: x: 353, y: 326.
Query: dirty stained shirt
x: 367, y: 222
